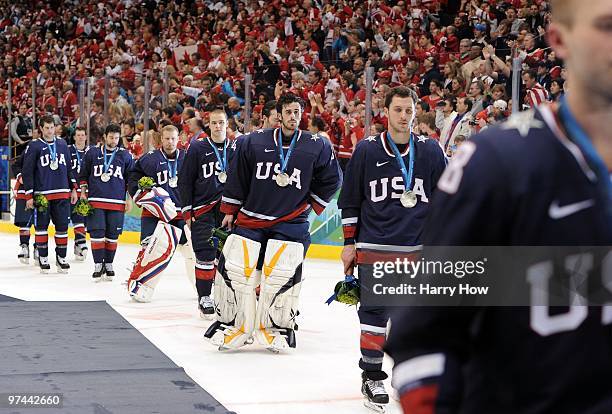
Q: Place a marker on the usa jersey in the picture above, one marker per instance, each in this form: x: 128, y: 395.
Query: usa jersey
x: 76, y: 157
x: 521, y: 183
x: 199, y: 183
x: 372, y: 214
x: 106, y: 195
x: 156, y: 165
x: 39, y: 178
x: 252, y: 192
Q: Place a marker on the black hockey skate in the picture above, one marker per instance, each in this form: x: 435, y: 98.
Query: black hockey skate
x: 110, y: 273
x: 98, y: 272
x: 62, y: 264
x: 206, y: 307
x: 43, y: 263
x: 373, y: 390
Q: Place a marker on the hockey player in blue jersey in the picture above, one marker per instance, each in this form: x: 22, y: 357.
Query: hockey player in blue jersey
x: 162, y: 166
x: 277, y: 176
x: 385, y: 196
x: 46, y: 171
x: 201, y: 182
x: 541, y: 178
x: 103, y: 180
x: 77, y: 152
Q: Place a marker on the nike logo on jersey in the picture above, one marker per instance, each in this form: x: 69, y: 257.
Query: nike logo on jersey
x: 162, y: 162
x: 380, y: 164
x: 100, y: 158
x: 209, y: 153
x: 268, y: 150
x: 557, y: 212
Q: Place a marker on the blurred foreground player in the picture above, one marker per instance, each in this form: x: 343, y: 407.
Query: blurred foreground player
x: 103, y: 180
x: 543, y: 178
x: 276, y: 177
x: 24, y: 218
x: 384, y: 200
x: 201, y: 182
x: 46, y: 172
x: 161, y: 232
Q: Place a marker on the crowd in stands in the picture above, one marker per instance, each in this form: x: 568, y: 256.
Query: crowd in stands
x: 457, y: 54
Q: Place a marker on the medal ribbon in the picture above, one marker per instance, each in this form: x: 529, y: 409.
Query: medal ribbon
x: 581, y: 139
x: 222, y: 162
x: 285, y: 160
x: 400, y: 161
x: 172, y: 164
x: 108, y: 164
x: 52, y: 150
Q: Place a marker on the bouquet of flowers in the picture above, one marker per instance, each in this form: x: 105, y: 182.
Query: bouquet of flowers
x: 41, y: 204
x: 83, y: 208
x: 346, y: 291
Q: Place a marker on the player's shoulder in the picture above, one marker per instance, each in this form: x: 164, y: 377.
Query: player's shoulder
x: 315, y: 140
x: 368, y: 144
x: 428, y: 145
x: 525, y: 135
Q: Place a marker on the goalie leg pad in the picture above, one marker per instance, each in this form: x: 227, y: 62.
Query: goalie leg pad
x: 235, y: 299
x: 278, y: 298
x: 152, y: 260
x: 190, y: 260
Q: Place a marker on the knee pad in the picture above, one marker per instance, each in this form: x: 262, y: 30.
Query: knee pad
x: 235, y: 300
x: 152, y: 259
x: 278, y: 297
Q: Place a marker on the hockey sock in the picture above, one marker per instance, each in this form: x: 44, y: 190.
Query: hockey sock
x: 79, y: 234
x: 97, y: 245
x: 371, y: 343
x: 61, y: 242
x: 24, y: 235
x: 205, y: 274
x: 42, y: 239
x: 110, y: 248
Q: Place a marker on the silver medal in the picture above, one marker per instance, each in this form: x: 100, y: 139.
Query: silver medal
x: 173, y: 182
x: 222, y: 177
x: 105, y: 177
x: 282, y: 179
x: 54, y: 165
x: 408, y: 199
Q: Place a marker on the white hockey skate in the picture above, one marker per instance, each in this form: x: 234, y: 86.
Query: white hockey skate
x: 24, y: 254
x: 376, y: 397
x: 80, y: 252
x: 206, y: 307
x: 109, y: 273
x: 43, y: 263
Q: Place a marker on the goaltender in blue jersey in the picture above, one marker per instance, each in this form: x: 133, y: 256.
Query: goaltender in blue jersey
x: 276, y: 177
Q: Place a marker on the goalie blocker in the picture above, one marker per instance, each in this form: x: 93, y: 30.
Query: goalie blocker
x: 240, y: 316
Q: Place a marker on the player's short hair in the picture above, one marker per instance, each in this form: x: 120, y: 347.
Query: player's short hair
x: 218, y: 109
x: 80, y: 128
x: 268, y: 107
x: 112, y: 128
x: 47, y: 119
x: 130, y: 122
x: 170, y: 128
x: 400, y: 92
x: 288, y: 99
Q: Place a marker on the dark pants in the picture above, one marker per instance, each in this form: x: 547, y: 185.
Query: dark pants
x: 205, y: 249
x: 373, y: 324
x: 78, y: 224
x: 105, y: 227
x: 59, y: 213
x: 24, y: 219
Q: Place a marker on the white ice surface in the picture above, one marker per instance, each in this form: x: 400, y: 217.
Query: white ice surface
x: 319, y: 376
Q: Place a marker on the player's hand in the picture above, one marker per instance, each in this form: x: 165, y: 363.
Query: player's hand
x: 74, y: 197
x: 348, y: 258
x: 128, y: 205
x: 30, y: 204
x: 228, y: 221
